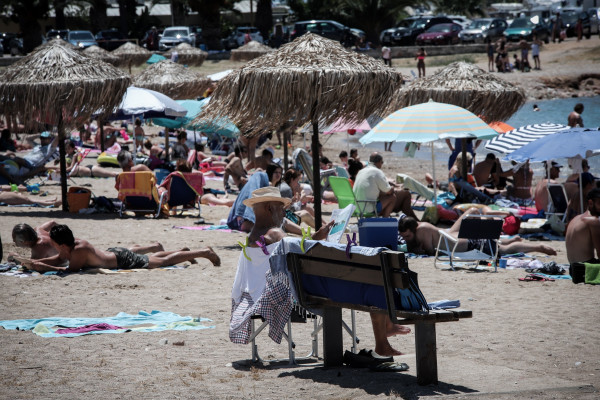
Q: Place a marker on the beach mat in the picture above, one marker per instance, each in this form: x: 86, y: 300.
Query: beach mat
x: 222, y: 228
x: 154, y: 321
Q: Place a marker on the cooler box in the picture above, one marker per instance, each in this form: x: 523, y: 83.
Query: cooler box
x: 78, y: 198
x: 378, y: 232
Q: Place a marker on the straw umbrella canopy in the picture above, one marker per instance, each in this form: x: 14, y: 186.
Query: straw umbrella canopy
x: 98, y: 53
x: 187, y: 54
x: 250, y: 51
x: 464, y: 85
x: 131, y: 54
x: 62, y: 87
x: 173, y: 80
x: 312, y: 79
x: 467, y: 86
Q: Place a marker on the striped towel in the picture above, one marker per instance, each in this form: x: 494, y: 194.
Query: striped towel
x: 141, y: 183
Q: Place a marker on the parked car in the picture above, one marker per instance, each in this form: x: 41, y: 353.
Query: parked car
x: 407, y: 36
x: 439, y: 34
x: 570, y: 16
x: 110, y: 39
x: 594, y: 14
x: 386, y: 36
x: 237, y: 37
x: 81, y: 39
x: 481, y: 29
x: 330, y: 29
x: 460, y: 19
x: 58, y: 33
x: 525, y: 28
x: 175, y: 35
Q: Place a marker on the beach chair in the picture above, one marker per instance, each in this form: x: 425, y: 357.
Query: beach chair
x: 342, y: 172
x: 308, y: 171
x: 184, y: 190
x: 343, y: 191
x: 161, y: 174
x: 486, y: 229
x: 558, y: 201
x: 138, y: 193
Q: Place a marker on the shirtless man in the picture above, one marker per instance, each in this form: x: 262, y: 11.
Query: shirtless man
x: 126, y: 162
x: 588, y: 183
x: 583, y: 232
x: 541, y: 189
x: 522, y: 180
x: 484, y: 171
x: 38, y: 240
x: 423, y: 238
x: 235, y: 169
x: 80, y: 254
x: 261, y: 162
x: 574, y: 119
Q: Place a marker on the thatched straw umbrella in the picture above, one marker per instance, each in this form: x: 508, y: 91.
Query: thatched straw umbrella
x: 250, y: 51
x: 187, y: 54
x: 467, y: 86
x: 131, y: 54
x: 98, y: 53
x: 60, y: 42
x: 65, y: 94
x: 311, y: 79
x: 173, y: 80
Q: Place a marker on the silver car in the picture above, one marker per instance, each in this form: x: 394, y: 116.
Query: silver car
x: 481, y: 29
x: 175, y: 35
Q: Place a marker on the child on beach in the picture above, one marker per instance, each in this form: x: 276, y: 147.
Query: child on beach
x: 490, y: 54
x: 535, y: 52
x: 421, y: 54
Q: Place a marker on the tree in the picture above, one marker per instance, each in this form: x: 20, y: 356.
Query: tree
x: 27, y: 13
x: 264, y: 18
x: 210, y: 19
x: 98, y: 15
x: 470, y: 8
x: 178, y: 11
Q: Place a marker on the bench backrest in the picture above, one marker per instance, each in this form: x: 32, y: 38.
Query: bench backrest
x: 558, y: 198
x: 387, y: 269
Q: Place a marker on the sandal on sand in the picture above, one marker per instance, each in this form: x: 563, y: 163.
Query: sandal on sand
x: 364, y: 359
x: 389, y: 367
x: 535, y: 277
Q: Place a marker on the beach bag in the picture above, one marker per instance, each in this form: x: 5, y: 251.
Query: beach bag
x: 411, y: 298
x: 511, y: 225
x: 431, y: 215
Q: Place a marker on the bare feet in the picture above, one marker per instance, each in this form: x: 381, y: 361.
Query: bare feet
x: 396, y: 329
x: 213, y: 257
x: 387, y: 350
x: 547, y: 250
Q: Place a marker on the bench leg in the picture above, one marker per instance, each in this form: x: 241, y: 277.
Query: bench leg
x: 426, y: 352
x: 333, y: 345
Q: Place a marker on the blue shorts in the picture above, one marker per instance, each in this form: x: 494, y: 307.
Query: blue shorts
x: 378, y: 207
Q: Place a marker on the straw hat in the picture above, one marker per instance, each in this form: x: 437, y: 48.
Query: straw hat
x: 262, y: 195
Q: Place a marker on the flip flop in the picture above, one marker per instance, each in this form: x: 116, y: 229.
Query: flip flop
x: 536, y: 278
x: 389, y: 367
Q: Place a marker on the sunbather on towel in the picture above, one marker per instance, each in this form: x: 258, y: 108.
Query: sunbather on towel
x: 268, y: 207
x: 583, y: 232
x: 38, y: 240
x: 80, y: 254
x: 422, y: 238
x: 91, y: 170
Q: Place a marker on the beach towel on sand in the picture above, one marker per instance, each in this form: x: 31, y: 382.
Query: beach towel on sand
x: 142, y: 322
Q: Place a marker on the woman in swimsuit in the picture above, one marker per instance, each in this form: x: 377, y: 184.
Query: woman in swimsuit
x: 420, y: 57
x: 73, y: 167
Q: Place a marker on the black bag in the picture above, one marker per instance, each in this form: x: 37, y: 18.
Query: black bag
x: 411, y: 298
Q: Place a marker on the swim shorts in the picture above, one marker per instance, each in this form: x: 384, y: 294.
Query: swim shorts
x: 489, y: 247
x: 127, y: 259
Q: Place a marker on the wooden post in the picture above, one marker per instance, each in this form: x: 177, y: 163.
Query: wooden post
x: 426, y: 353
x: 63, y: 163
x: 465, y: 162
x: 316, y: 175
x: 166, y: 145
x: 333, y: 344
x: 285, y: 150
x: 101, y: 123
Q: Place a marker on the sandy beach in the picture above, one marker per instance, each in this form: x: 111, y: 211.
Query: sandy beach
x: 534, y: 340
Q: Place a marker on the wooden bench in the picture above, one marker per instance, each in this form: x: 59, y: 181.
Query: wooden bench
x: 388, y: 269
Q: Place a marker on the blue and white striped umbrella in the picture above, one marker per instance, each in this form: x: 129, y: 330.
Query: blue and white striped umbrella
x: 428, y: 122
x: 519, y: 137
x: 567, y: 143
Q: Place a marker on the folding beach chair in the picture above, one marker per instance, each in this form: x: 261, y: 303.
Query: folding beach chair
x: 343, y: 191
x: 558, y: 201
x: 138, y: 193
x: 184, y: 189
x: 341, y: 172
x: 485, y: 229
x: 308, y: 171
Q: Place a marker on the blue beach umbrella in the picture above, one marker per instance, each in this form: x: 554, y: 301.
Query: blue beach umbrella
x: 515, y: 139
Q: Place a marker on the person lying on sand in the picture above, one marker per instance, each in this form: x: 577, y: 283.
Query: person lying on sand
x: 583, y: 232
x: 38, y: 240
x: 422, y: 238
x: 80, y: 254
x: 17, y: 199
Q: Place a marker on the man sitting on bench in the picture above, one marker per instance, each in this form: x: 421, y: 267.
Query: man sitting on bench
x: 422, y: 238
x: 268, y: 206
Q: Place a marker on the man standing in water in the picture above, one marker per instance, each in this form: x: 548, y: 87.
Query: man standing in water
x: 574, y: 119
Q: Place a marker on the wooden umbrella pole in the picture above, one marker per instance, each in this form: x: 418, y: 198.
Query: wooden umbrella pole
x: 63, y: 163
x: 101, y: 123
x: 465, y: 162
x: 316, y: 175
x: 167, y: 145
x: 285, y: 150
